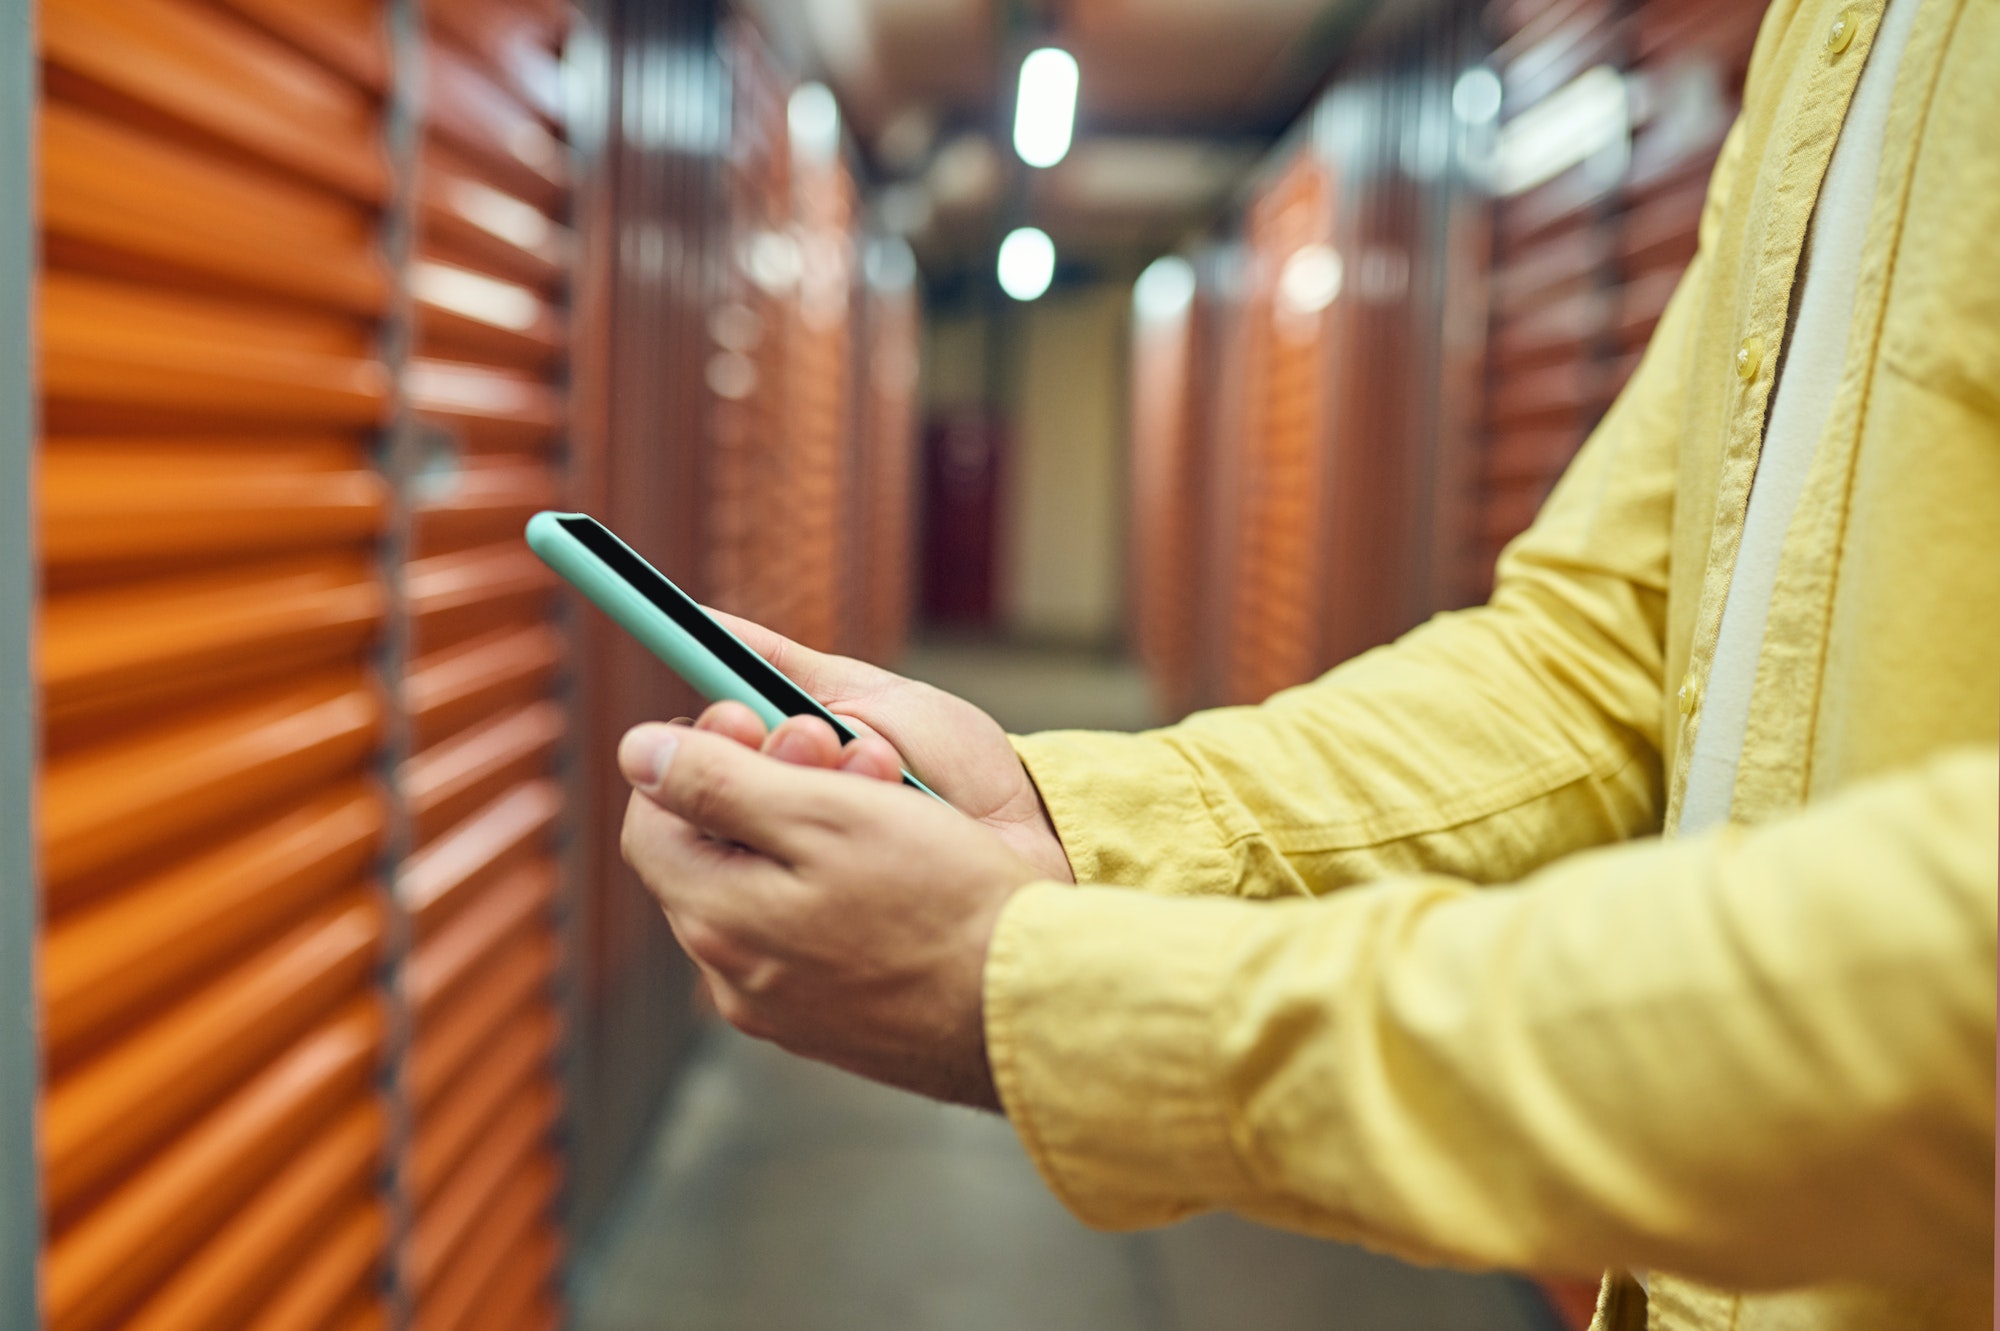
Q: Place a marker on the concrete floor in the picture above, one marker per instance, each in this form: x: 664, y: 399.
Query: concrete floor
x: 784, y: 1196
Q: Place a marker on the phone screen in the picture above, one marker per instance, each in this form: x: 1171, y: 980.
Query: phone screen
x: 678, y: 606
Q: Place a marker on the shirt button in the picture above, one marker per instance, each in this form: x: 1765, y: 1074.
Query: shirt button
x: 1840, y: 32
x: 1749, y: 358
x: 1690, y: 696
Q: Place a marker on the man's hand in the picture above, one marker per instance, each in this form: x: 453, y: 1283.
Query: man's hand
x: 958, y: 750
x: 846, y: 920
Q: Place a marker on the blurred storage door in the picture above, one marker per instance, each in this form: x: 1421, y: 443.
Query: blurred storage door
x: 483, y: 1171
x: 962, y: 459
x: 210, y: 180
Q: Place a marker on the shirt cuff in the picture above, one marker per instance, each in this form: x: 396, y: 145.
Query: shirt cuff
x: 1130, y: 811
x: 1119, y: 1102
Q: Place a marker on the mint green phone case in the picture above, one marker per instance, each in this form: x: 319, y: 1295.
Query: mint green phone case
x: 694, y: 645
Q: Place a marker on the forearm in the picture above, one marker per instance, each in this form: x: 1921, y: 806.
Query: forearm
x: 1756, y: 1058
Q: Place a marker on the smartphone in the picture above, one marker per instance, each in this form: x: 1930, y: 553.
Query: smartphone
x: 693, y: 644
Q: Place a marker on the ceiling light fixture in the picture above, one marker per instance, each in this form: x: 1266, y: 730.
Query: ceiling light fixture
x: 1045, y: 109
x: 1027, y: 263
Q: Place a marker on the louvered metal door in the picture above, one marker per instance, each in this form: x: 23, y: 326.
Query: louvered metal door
x: 211, y: 182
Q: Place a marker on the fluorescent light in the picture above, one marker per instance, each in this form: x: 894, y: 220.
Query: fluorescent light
x: 1165, y: 290
x: 1045, y: 110
x: 814, y: 119
x: 1476, y: 97
x: 1027, y: 263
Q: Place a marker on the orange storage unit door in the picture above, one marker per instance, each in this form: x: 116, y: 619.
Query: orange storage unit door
x: 211, y: 178
x: 489, y: 276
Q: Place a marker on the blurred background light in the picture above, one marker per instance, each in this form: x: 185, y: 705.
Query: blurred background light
x: 1165, y: 290
x: 1045, y: 110
x: 1027, y: 263
x: 814, y: 119
x: 1475, y: 98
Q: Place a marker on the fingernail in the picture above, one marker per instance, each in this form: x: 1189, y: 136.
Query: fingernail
x: 647, y: 752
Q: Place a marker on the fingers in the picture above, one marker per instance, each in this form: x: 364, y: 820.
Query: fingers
x: 873, y: 758
x: 831, y: 679
x: 732, y: 793
x: 733, y: 720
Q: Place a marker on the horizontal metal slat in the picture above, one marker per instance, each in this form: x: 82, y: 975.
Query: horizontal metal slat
x: 462, y: 1119
x: 501, y: 1231
x: 94, y: 1272
x: 168, y: 786
x: 467, y: 315
x: 440, y: 967
x: 520, y: 1293
x: 489, y: 502
x: 110, y: 960
x: 239, y: 1268
x: 441, y: 1229
x: 124, y: 505
x: 449, y: 690
x: 482, y: 118
x: 514, y: 45
x: 115, y: 355
x: 438, y: 881
x: 350, y: 36
x: 153, y: 643
x: 103, y: 1117
x: 325, y: 1283
x: 113, y: 196
x: 456, y: 596
x: 449, y: 780
x: 491, y: 410
x: 465, y: 216
x: 440, y: 1057
x: 199, y: 69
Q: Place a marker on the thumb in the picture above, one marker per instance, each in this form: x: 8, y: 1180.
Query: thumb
x: 732, y: 792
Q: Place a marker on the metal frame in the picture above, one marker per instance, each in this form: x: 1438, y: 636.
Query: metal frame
x: 20, y: 922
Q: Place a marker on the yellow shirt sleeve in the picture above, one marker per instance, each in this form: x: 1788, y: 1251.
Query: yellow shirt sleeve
x: 1756, y: 1057
x: 1483, y: 745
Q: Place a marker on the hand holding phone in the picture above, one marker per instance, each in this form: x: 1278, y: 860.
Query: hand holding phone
x: 668, y: 623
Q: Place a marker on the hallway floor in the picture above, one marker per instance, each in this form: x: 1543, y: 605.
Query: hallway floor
x: 783, y: 1196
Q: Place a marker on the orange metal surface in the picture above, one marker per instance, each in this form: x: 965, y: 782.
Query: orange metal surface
x: 519, y: 1295
x: 440, y: 968
x: 345, y: 35
x: 127, y: 201
x: 491, y: 410
x: 451, y: 779
x: 105, y: 805
x: 511, y: 142
x: 469, y: 219
x: 522, y: 1053
x: 195, y: 69
x: 250, y: 1257
x: 112, y: 357
x: 330, y: 1277
x: 467, y: 315
x: 490, y: 501
x: 152, y: 643
x: 121, y: 506
x: 445, y: 876
x: 447, y: 690
x: 104, y: 1116
x: 501, y: 1226
x: 440, y: 1055
x: 98, y: 1269
x: 508, y: 1153
x: 454, y: 596
x: 120, y: 958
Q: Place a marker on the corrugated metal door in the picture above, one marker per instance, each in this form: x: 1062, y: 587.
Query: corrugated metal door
x: 1584, y: 258
x: 482, y: 1172
x: 211, y: 182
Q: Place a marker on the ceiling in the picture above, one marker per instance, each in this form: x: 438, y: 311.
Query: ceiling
x: 1179, y: 98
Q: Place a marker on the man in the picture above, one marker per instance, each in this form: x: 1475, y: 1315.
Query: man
x: 1751, y: 1060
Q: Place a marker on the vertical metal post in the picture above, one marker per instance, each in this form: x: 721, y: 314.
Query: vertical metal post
x: 20, y: 1026
x: 396, y: 458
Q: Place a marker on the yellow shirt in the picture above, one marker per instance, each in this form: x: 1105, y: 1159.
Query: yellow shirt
x: 1759, y: 1059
